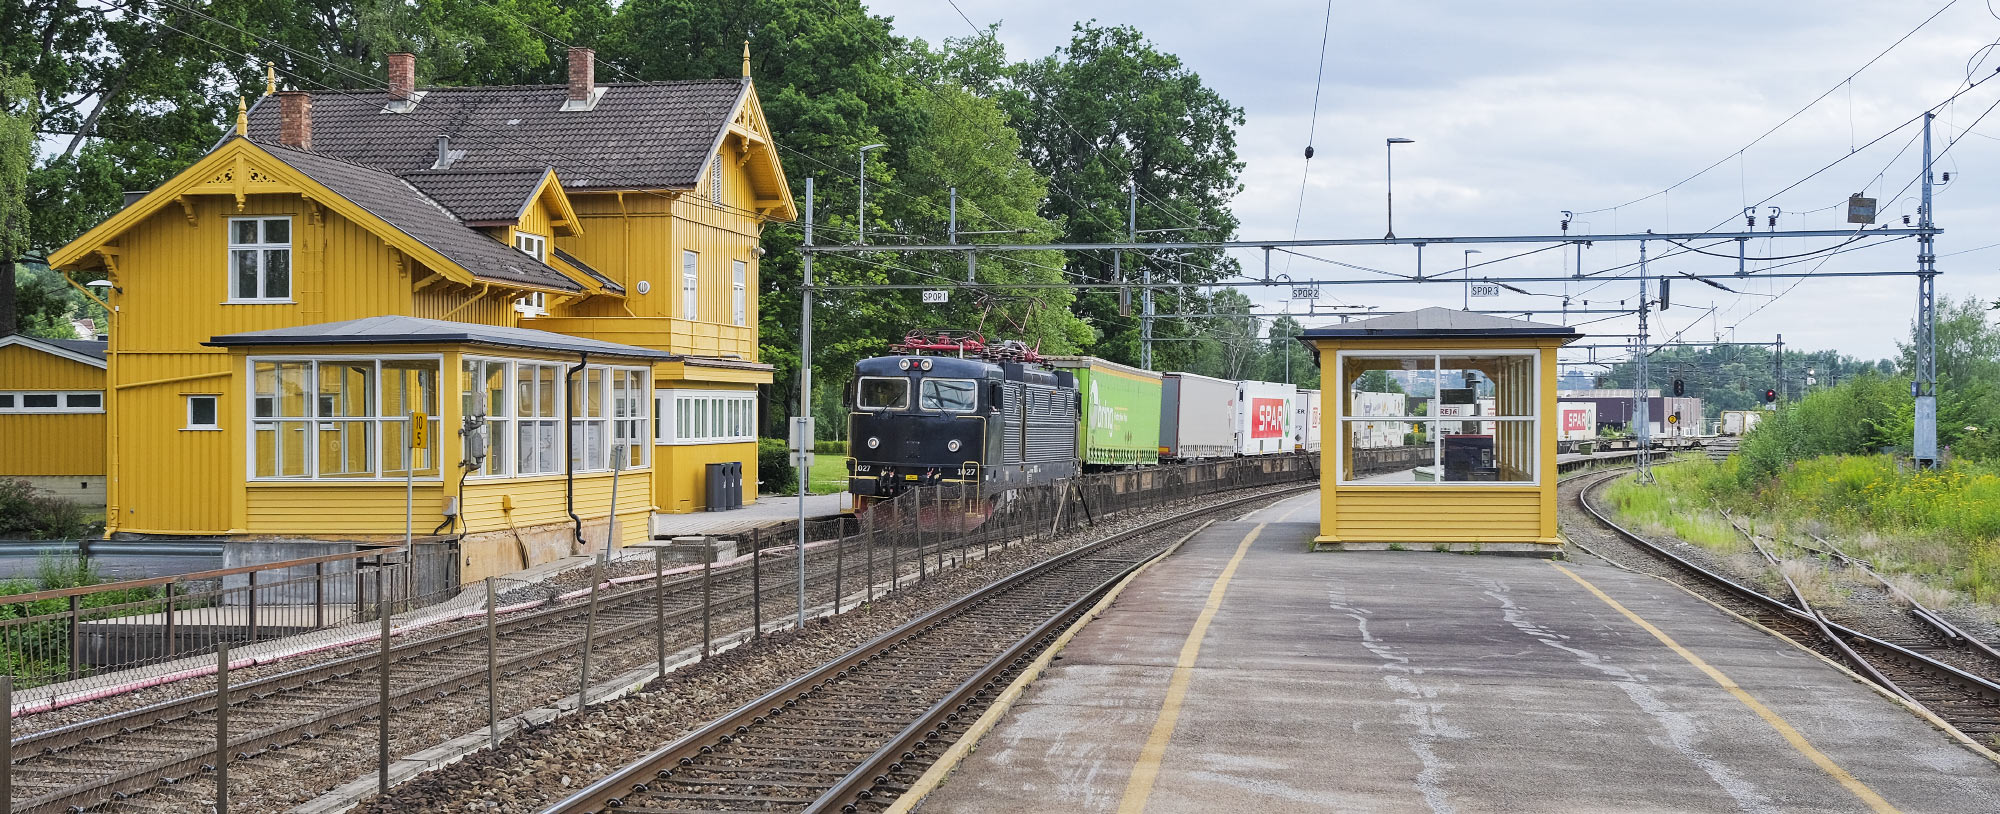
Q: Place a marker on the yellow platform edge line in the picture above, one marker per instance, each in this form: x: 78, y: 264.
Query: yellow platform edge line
x: 1777, y: 722
x: 966, y: 743
x: 1146, y: 771
x: 1942, y: 725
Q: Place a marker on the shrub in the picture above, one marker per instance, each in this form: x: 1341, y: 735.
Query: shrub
x: 36, y: 515
x: 830, y: 447
x: 775, y: 473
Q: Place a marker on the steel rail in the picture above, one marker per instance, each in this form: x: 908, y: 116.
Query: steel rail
x: 1937, y: 623
x: 1960, y: 679
x: 1819, y: 620
x: 638, y: 776
x: 117, y: 784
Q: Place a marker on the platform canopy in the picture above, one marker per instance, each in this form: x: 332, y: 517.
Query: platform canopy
x: 1436, y: 323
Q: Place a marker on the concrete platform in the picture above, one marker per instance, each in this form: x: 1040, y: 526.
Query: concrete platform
x: 769, y: 510
x: 1415, y: 681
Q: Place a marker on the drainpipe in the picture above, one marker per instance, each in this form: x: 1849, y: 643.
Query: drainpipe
x: 569, y: 460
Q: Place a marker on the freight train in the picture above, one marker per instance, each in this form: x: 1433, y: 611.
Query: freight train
x: 1003, y: 415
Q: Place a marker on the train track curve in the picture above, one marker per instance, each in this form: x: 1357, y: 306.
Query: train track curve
x: 1967, y: 701
x: 851, y: 735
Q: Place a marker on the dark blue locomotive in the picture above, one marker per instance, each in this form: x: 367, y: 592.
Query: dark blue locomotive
x: 1002, y: 421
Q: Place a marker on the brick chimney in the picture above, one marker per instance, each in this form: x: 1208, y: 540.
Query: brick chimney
x: 582, y: 74
x: 295, y: 119
x: 402, y: 76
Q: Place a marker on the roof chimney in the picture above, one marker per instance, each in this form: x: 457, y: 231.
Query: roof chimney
x: 402, y: 76
x: 295, y: 119
x: 582, y: 74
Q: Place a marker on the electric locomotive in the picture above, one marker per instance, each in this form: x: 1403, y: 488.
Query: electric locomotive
x: 1001, y: 418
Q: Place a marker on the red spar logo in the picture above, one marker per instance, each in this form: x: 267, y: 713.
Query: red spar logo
x: 1267, y: 418
x: 1573, y: 420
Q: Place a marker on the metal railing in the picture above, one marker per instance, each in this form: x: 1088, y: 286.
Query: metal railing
x: 643, y: 612
x: 73, y: 634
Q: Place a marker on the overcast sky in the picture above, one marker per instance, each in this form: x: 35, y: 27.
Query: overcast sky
x: 1521, y: 110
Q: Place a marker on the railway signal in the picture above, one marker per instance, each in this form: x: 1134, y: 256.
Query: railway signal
x: 1770, y: 396
x: 1680, y: 388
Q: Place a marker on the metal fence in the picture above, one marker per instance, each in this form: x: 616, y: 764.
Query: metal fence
x: 640, y: 613
x: 73, y: 634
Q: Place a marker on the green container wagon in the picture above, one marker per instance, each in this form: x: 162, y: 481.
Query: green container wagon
x: 1120, y: 424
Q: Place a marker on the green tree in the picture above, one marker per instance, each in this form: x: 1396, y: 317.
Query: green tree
x: 1108, y: 110
x: 17, y: 145
x: 1968, y: 369
x: 1377, y: 381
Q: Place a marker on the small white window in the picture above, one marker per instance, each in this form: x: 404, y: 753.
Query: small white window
x: 80, y: 401
x: 83, y: 401
x: 739, y: 271
x: 260, y: 259
x: 201, y: 413
x: 690, y: 277
x: 535, y: 246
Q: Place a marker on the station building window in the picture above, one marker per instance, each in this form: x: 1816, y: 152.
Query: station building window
x: 74, y: 401
x: 1443, y: 418
x: 260, y: 260
x: 339, y: 418
x: 524, y: 407
x: 705, y: 417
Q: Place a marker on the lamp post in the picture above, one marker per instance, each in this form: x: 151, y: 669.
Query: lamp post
x: 861, y: 208
x: 1390, y: 150
x: 1465, y: 269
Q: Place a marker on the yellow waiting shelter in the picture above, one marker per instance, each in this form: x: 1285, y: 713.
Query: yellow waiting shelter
x: 1442, y: 433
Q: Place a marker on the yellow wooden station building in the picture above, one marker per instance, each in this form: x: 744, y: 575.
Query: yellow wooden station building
x: 1444, y: 433
x: 562, y: 278
x: 52, y: 415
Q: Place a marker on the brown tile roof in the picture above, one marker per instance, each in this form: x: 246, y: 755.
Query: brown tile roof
x: 409, y: 211
x: 651, y: 135
x: 492, y: 196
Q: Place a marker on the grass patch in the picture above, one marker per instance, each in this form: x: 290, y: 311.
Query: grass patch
x: 829, y: 473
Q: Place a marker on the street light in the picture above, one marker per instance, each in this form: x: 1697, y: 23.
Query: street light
x: 861, y: 209
x: 1390, y: 149
x: 1465, y: 268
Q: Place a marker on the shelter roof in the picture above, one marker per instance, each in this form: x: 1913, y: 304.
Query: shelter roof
x: 1436, y: 323
x: 406, y: 330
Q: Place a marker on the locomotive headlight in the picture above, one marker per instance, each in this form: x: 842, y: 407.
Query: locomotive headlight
x: 953, y: 446
x: 874, y: 442
x: 903, y: 364
x: 927, y: 364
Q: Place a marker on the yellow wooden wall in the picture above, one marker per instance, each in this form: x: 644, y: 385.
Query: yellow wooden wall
x: 682, y: 472
x: 49, y: 443
x: 1422, y: 515
x: 164, y: 478
x: 639, y: 236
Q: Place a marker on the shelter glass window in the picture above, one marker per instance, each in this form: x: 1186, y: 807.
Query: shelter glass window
x: 335, y: 419
x: 1435, y: 418
x: 949, y: 395
x: 260, y: 259
x: 538, y: 411
x: 882, y: 393
x: 484, y: 393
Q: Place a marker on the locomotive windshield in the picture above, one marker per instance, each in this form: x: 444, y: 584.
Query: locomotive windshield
x: 950, y: 395
x: 878, y: 393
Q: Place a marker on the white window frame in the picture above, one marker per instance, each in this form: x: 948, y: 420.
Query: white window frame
x: 500, y: 438
x: 18, y: 404
x: 694, y: 417
x: 506, y: 417
x: 739, y: 273
x: 1341, y: 417
x: 535, y: 246
x: 315, y: 424
x: 264, y: 250
x: 690, y: 285
x: 214, y: 409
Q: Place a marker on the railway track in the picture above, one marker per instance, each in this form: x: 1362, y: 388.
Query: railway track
x: 851, y: 735
x: 119, y: 757
x: 1967, y: 700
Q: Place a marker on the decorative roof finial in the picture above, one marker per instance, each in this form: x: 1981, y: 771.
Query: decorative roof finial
x: 270, y: 78
x: 242, y: 118
x: 746, y: 59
